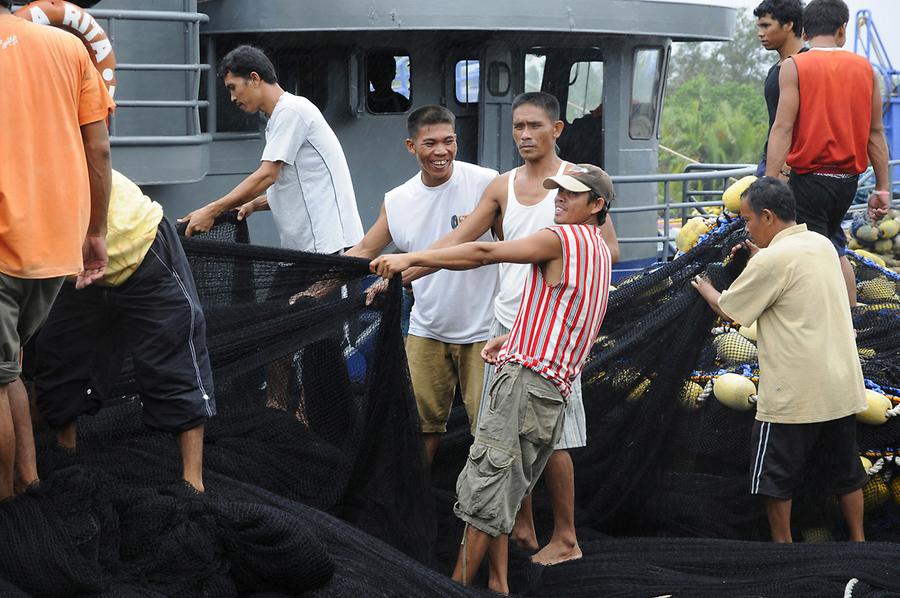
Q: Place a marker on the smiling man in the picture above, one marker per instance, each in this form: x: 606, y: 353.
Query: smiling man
x: 563, y: 302
x: 810, y: 380
x: 516, y: 204
x: 451, y: 317
x: 303, y: 170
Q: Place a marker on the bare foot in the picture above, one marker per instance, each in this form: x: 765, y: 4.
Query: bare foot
x: 20, y: 487
x: 525, y: 537
x: 196, y: 485
x: 498, y: 587
x: 557, y: 552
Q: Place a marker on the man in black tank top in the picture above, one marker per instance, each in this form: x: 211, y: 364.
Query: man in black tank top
x: 779, y: 25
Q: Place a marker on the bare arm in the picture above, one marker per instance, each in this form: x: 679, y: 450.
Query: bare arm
x: 201, y: 220
x: 880, y: 200
x: 369, y: 247
x: 783, y: 127
x: 492, y: 348
x: 472, y: 227
x: 543, y: 246
x: 378, y: 237
x: 95, y: 138
x: 259, y: 204
x: 608, y: 232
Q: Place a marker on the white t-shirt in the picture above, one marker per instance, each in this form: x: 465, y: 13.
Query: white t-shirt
x: 451, y: 306
x: 519, y: 221
x: 312, y: 200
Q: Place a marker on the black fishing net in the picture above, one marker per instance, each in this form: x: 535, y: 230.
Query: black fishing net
x: 313, y: 464
x: 666, y: 461
x: 316, y: 483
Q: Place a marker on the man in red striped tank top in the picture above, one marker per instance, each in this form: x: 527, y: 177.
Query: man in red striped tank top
x: 828, y: 128
x: 563, y: 305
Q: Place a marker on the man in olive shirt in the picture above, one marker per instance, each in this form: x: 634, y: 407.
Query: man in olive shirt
x: 810, y: 383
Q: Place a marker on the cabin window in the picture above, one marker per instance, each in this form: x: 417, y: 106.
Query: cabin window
x: 645, y: 88
x: 387, y: 71
x: 585, y: 90
x: 300, y: 72
x: 581, y: 140
x: 534, y: 71
x: 304, y: 74
x: 467, y: 73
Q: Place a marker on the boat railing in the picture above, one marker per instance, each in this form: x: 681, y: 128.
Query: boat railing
x: 190, y: 65
x: 679, y: 197
x: 701, y: 187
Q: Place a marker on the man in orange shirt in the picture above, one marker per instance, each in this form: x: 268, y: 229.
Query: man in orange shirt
x: 54, y: 189
x: 828, y: 128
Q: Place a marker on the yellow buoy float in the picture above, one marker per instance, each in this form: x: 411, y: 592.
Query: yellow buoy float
x: 748, y: 332
x: 734, y: 391
x: 690, y: 233
x: 870, y: 256
x: 866, y: 463
x: 875, y: 412
x: 689, y: 397
x: 731, y: 197
x: 875, y: 492
x: 732, y: 347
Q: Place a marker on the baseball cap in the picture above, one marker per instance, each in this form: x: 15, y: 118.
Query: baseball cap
x: 579, y: 178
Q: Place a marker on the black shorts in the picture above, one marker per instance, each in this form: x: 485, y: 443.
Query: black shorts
x: 822, y: 203
x: 780, y: 452
x: 156, y: 316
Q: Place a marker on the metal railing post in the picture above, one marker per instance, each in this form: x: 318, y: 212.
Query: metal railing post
x: 667, y: 200
x: 191, y: 68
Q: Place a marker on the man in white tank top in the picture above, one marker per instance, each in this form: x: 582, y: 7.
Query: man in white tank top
x: 538, y: 362
x: 451, y: 317
x: 516, y: 205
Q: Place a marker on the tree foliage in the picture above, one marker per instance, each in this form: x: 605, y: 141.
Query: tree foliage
x: 714, y: 109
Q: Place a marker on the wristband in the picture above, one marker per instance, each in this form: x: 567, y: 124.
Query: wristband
x: 785, y: 173
x: 882, y: 193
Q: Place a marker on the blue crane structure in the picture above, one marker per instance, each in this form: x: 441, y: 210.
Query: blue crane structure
x: 867, y: 42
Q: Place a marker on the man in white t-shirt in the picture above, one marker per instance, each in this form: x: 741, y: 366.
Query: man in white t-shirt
x: 303, y: 170
x: 452, y: 314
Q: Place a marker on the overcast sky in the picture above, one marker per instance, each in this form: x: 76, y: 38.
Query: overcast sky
x: 885, y: 14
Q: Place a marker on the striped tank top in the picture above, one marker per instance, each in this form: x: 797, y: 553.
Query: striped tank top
x: 556, y: 325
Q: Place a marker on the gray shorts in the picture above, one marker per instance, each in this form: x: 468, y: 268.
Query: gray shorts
x: 574, y: 434
x: 520, y: 423
x: 24, y: 305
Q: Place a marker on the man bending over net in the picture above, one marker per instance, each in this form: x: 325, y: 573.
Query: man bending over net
x: 146, y: 303
x: 810, y: 381
x: 563, y: 304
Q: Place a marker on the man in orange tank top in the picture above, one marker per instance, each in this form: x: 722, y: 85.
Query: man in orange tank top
x: 828, y: 128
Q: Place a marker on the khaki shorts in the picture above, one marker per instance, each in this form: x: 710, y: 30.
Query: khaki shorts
x: 24, y: 305
x: 515, y: 437
x: 436, y: 368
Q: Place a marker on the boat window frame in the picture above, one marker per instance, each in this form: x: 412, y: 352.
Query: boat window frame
x: 364, y: 83
x: 662, y: 92
x: 655, y: 100
x: 454, y: 63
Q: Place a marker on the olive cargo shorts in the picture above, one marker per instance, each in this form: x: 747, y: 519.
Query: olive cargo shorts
x: 24, y: 305
x: 513, y: 440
